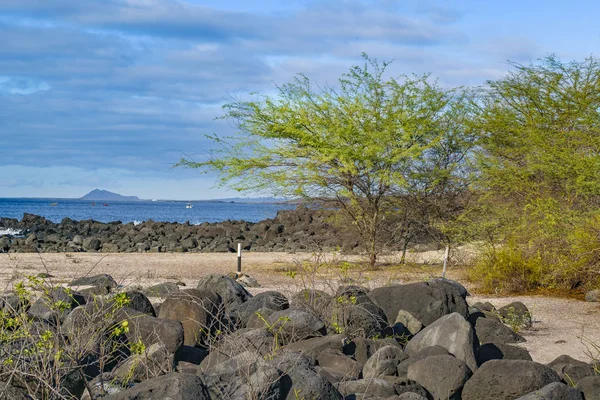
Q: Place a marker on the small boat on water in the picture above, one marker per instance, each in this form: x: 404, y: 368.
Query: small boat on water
x: 189, y: 205
x: 93, y: 204
x: 53, y: 204
x: 105, y: 205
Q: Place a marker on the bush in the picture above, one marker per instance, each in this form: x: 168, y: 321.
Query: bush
x: 47, y: 354
x: 538, y: 181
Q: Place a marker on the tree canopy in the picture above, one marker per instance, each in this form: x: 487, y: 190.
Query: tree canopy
x: 539, y: 175
x: 368, y: 145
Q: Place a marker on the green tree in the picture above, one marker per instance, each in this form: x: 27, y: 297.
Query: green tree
x: 539, y: 180
x: 367, y: 145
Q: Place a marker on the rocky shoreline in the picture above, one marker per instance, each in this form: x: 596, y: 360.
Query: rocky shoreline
x: 302, y: 229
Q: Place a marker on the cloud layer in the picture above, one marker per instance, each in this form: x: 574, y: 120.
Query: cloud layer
x: 94, y: 86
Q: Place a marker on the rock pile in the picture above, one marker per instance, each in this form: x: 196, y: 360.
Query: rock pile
x: 302, y: 229
x: 217, y: 341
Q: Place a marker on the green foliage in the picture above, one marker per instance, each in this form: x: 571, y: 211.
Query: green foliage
x: 539, y: 178
x: 276, y: 328
x: 137, y: 347
x: 516, y: 320
x: 368, y: 145
x: 40, y: 360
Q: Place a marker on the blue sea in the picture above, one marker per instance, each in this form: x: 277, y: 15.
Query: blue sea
x: 165, y: 211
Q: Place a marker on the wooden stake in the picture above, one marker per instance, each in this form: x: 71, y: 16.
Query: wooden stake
x: 239, y: 267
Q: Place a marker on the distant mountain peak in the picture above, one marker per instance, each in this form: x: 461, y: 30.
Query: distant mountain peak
x: 102, y: 195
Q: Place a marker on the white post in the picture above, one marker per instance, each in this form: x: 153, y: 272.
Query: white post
x: 446, y: 253
x: 239, y: 266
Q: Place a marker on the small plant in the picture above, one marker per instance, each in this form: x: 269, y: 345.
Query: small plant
x: 292, y: 274
x: 275, y: 328
x: 517, y: 320
x: 137, y: 347
x: 41, y: 361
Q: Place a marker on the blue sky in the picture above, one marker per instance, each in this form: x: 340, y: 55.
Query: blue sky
x: 111, y: 93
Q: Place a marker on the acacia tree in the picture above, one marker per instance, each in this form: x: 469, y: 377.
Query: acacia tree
x: 539, y: 180
x: 362, y: 145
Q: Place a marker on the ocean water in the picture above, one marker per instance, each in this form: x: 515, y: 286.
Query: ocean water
x: 139, y: 211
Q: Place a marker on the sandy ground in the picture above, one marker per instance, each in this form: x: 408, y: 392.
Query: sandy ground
x: 561, y: 326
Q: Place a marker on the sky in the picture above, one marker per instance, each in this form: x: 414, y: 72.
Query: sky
x: 110, y: 94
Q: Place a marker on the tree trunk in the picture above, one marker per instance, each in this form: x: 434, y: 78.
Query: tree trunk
x: 372, y: 259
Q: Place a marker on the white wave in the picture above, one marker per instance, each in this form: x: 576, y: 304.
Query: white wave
x: 136, y: 222
x: 9, y: 231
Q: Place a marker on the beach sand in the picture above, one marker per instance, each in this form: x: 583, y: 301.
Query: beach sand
x: 562, y: 326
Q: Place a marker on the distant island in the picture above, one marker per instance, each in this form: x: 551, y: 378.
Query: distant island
x: 104, y: 195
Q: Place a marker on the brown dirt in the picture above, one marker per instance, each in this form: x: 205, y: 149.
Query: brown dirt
x: 561, y: 325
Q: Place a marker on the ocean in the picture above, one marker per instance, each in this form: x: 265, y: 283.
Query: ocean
x: 126, y: 211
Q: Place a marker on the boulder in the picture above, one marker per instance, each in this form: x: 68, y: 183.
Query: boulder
x: 173, y: 386
x: 110, y: 248
x: 78, y: 240
x: 161, y: 290
x: 189, y: 354
x: 380, y: 388
x: 507, y: 380
x: 590, y: 387
x: 292, y: 325
x: 408, y: 322
x: 246, y: 281
x: 487, y: 307
x: 516, y: 314
x: 104, y: 385
x: 362, y: 349
x: 501, y: 351
x: 228, y: 346
x: 92, y: 243
x: 426, y: 301
x: 89, y: 292
x: 423, y: 354
x: 55, y: 305
x: 312, y: 300
x: 245, y: 376
x: 335, y: 360
x: 408, y: 396
x: 90, y: 329
x: 554, y: 391
x: 149, y: 330
x: 360, y: 318
x: 258, y: 319
x: 271, y: 299
x: 451, y: 332
x: 96, y: 280
x: 231, y: 292
x: 492, y: 330
x: 13, y: 304
x: 301, y: 380
x: 138, y: 301
x: 198, y: 311
x: 312, y: 347
x: 570, y: 370
x: 461, y: 289
x: 384, y: 362
x: 152, y: 362
x: 443, y: 376
x: 11, y: 392
x: 351, y: 290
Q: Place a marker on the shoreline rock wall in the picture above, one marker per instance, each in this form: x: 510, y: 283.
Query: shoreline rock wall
x: 302, y: 229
